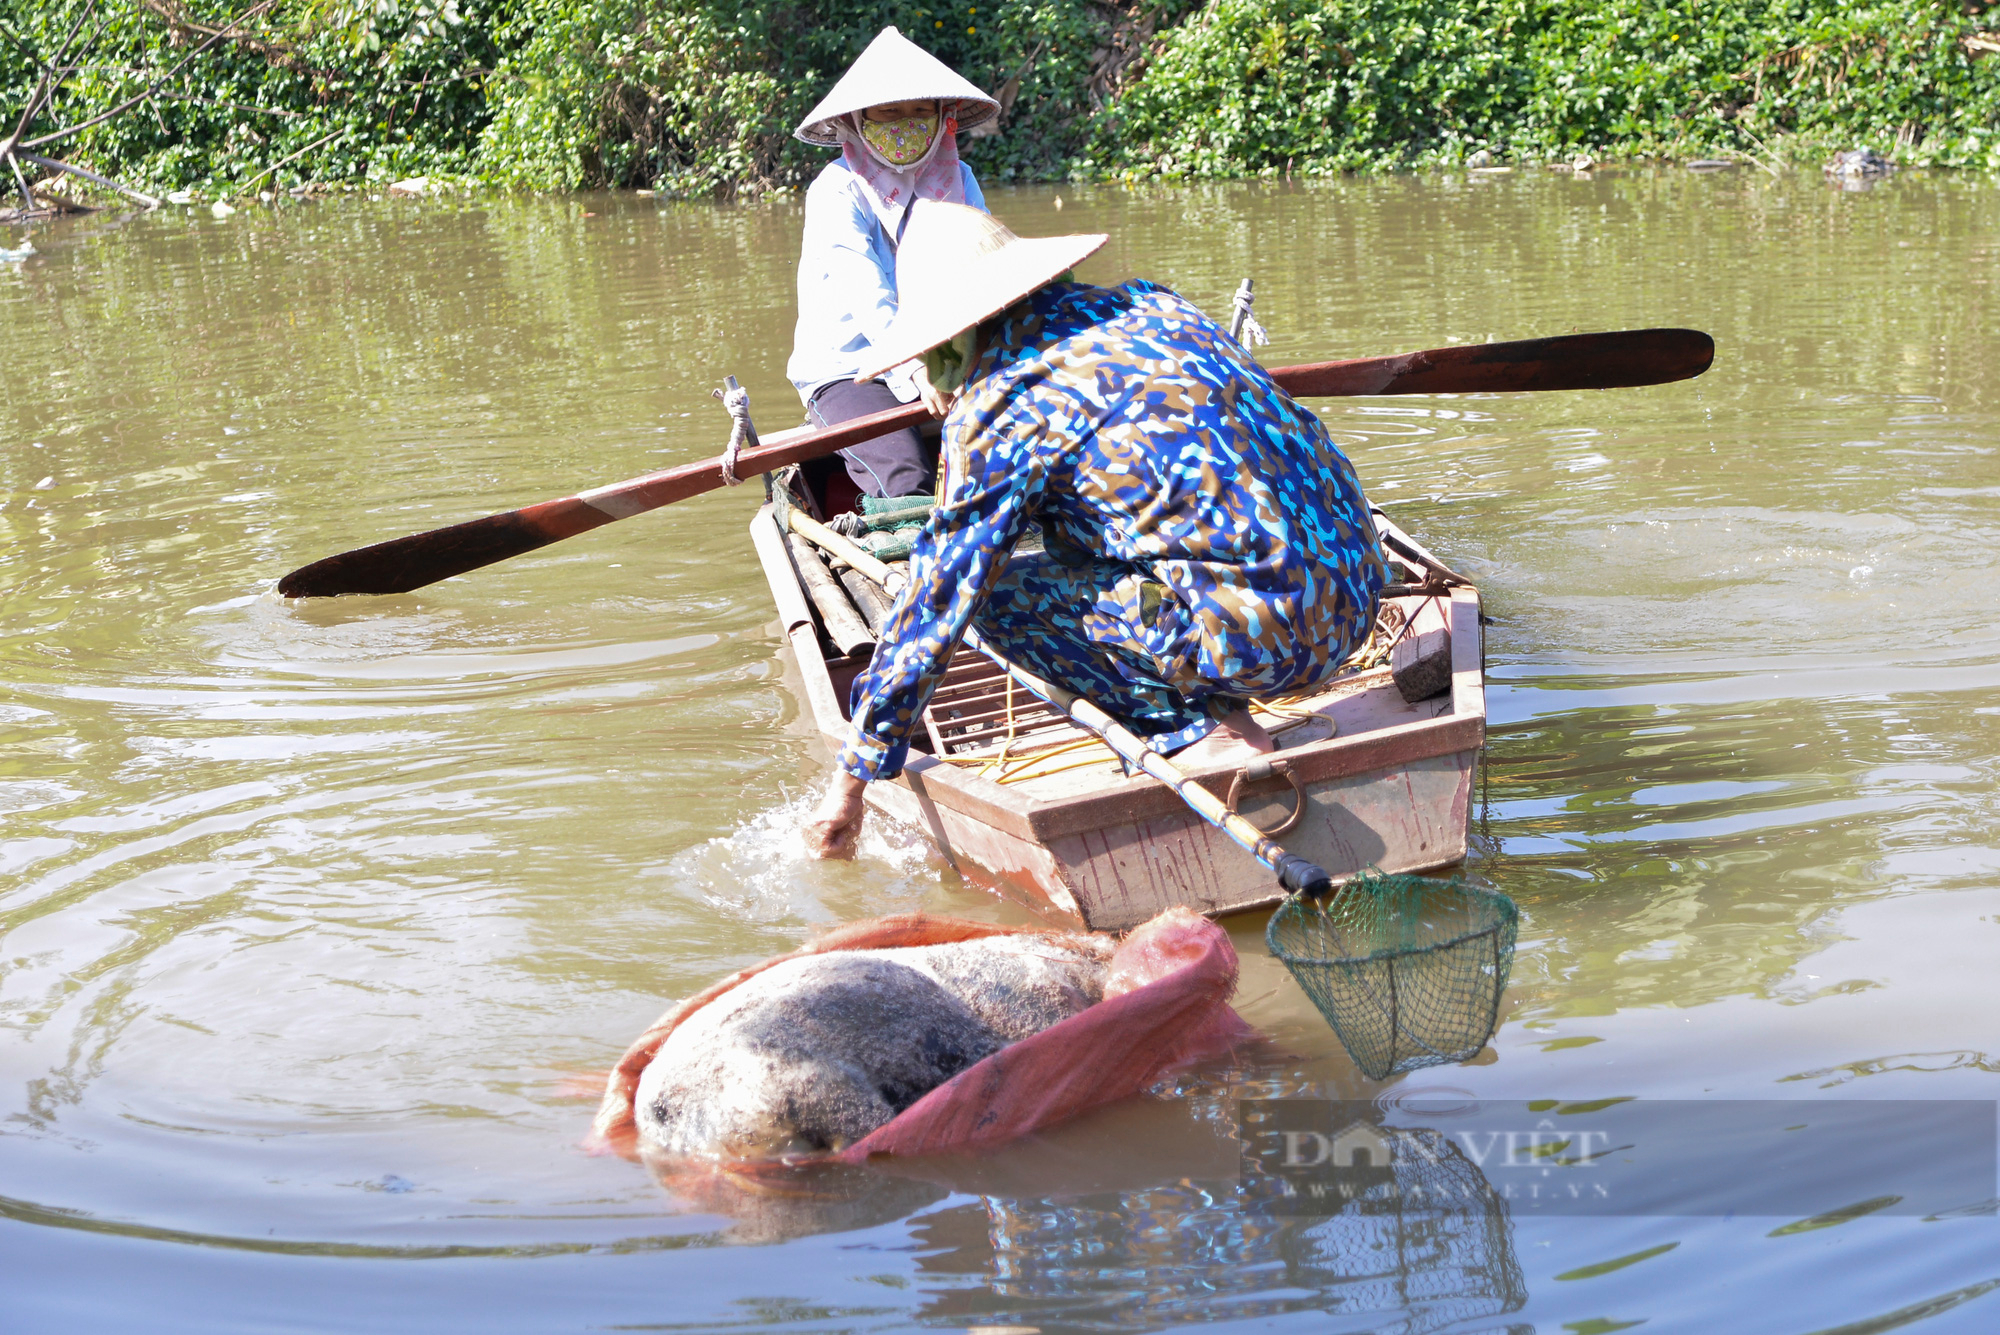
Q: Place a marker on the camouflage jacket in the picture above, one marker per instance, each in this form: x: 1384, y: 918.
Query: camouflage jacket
x: 1219, y: 543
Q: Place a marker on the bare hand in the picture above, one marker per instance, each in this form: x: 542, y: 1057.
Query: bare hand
x: 835, y: 828
x: 936, y: 401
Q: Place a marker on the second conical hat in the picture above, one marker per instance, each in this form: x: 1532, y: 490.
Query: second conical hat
x: 956, y: 266
x: 894, y: 69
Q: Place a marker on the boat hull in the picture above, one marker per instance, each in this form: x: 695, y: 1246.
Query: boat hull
x: 1391, y: 791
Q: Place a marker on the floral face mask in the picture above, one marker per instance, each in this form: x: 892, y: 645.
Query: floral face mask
x: 901, y: 143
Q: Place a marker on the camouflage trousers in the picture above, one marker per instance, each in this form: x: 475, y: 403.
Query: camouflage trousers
x: 1109, y: 632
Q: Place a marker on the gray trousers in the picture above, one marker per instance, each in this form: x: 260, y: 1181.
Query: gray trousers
x: 892, y: 465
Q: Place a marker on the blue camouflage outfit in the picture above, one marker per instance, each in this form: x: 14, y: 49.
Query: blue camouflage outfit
x: 1205, y: 542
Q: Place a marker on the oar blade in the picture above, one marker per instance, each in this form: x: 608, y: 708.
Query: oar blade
x: 407, y: 563
x: 1622, y: 360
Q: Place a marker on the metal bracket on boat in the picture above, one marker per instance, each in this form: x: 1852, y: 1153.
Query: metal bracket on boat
x: 1243, y: 326
x: 1437, y: 576
x: 1259, y: 769
x: 1432, y: 587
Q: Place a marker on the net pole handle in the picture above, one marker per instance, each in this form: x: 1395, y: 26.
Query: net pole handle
x: 1295, y: 874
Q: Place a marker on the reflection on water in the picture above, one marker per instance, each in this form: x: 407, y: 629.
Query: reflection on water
x: 1439, y: 1247
x: 308, y: 913
x: 1060, y: 1233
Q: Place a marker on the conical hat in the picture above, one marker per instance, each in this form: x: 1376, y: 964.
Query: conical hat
x: 894, y: 69
x: 956, y: 266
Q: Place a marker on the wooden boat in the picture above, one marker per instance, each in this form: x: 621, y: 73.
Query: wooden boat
x: 1012, y: 793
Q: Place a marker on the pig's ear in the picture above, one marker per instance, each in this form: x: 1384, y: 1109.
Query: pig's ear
x: 1164, y: 946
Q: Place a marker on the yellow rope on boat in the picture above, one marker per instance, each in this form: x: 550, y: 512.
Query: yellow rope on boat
x: 996, y: 767
x: 1006, y: 743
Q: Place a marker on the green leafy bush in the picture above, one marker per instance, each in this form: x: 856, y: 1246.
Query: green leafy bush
x: 697, y: 97
x: 625, y: 92
x: 346, y: 89
x: 1262, y: 87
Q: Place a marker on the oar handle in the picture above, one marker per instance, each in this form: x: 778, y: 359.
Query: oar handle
x: 1295, y: 873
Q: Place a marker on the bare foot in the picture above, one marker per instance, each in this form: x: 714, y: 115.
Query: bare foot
x: 1235, y: 739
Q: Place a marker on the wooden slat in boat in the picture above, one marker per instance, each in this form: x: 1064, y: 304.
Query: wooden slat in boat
x: 978, y: 711
x: 1075, y: 838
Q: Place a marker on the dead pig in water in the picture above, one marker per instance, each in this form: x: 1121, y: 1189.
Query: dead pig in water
x: 814, y: 1053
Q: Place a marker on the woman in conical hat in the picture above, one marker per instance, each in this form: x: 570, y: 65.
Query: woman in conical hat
x: 895, y: 116
x: 1205, y: 544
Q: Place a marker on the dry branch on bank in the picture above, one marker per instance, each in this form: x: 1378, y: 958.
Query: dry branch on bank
x: 44, y: 201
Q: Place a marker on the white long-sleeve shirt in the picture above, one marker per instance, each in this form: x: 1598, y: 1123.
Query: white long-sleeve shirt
x: 847, y: 283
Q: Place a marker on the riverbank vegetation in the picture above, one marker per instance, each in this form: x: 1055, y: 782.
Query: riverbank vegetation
x: 695, y: 97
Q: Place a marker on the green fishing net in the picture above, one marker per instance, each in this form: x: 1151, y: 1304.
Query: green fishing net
x: 1407, y: 970
x: 890, y: 524
x: 895, y: 511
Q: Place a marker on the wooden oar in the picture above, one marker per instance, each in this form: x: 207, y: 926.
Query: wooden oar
x: 1574, y: 361
x: 1294, y: 873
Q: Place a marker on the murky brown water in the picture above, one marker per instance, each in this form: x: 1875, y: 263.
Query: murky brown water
x: 308, y: 909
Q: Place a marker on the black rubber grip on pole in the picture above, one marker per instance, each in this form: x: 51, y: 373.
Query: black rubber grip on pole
x: 1302, y: 877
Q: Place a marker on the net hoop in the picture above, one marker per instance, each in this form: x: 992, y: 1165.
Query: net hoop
x: 1436, y: 1000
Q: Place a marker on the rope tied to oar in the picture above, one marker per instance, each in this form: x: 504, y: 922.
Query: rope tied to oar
x: 737, y: 400
x: 1243, y: 326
